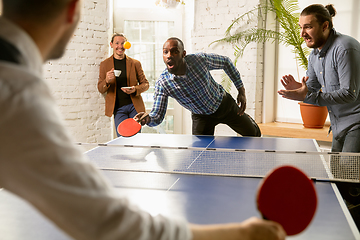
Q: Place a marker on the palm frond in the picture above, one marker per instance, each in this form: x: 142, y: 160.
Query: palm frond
x: 226, y: 82
x: 240, y: 35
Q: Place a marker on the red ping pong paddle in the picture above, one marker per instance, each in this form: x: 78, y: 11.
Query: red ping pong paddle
x: 130, y: 126
x: 287, y: 196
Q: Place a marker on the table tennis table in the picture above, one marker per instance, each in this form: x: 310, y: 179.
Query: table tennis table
x: 201, y: 199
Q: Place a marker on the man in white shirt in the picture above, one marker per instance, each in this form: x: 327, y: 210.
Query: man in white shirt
x: 38, y: 160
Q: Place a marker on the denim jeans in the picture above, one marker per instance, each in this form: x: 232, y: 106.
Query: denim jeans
x: 349, y: 143
x: 122, y: 113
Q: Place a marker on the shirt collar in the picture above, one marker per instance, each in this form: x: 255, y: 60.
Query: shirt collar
x: 126, y: 57
x: 30, y: 52
x: 327, y: 45
x: 173, y: 76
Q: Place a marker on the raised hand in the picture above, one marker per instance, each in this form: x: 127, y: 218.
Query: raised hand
x: 297, y: 94
x: 289, y: 82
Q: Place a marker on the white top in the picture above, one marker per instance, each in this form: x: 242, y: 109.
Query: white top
x: 39, y: 162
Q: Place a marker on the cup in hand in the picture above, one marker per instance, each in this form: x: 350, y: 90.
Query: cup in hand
x: 117, y: 72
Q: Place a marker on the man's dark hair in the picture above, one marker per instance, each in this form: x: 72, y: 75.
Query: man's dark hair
x: 321, y: 13
x: 179, y: 41
x: 118, y: 35
x: 35, y: 10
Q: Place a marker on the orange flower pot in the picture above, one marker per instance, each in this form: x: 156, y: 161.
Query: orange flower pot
x: 313, y: 116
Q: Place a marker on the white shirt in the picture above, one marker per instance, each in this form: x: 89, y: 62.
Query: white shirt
x: 39, y: 162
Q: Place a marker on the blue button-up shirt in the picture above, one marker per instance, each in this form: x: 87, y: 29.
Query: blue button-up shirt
x: 196, y: 91
x: 334, y: 81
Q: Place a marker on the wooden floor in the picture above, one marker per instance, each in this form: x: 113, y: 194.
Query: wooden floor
x: 295, y: 130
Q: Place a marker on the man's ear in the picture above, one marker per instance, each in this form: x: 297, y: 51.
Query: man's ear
x: 184, y: 53
x: 71, y: 10
x: 325, y: 26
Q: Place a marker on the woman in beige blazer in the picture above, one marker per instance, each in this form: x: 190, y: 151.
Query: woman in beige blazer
x: 123, y: 81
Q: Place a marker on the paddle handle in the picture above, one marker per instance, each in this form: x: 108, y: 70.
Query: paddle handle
x: 142, y: 117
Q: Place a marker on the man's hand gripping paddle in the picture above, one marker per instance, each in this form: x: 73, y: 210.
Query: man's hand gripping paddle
x: 130, y: 126
x: 287, y: 196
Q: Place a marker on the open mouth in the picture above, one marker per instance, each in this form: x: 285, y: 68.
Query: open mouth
x: 170, y: 64
x: 307, y: 39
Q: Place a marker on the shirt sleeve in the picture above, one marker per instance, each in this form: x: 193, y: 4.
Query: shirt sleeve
x: 343, y: 81
x: 215, y: 61
x: 158, y: 110
x: 40, y: 163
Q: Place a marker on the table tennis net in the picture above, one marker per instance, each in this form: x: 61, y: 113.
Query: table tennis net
x: 225, y: 162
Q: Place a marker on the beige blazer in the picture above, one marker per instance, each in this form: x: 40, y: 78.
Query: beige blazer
x: 135, y: 77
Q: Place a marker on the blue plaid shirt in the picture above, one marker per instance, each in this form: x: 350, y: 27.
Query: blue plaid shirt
x: 196, y: 91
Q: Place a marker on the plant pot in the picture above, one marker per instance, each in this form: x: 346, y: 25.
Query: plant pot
x: 313, y: 116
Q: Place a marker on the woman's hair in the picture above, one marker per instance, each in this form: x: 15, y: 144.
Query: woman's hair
x: 118, y: 35
x: 321, y: 13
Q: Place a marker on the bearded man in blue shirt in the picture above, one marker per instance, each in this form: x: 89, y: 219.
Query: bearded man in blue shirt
x: 333, y: 80
x: 333, y: 76
x: 187, y: 79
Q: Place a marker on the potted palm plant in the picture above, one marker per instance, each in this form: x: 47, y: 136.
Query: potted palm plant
x: 287, y: 14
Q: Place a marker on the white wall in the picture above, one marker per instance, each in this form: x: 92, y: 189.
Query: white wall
x: 73, y: 78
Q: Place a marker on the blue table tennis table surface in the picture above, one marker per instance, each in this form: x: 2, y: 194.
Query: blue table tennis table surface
x: 199, y: 199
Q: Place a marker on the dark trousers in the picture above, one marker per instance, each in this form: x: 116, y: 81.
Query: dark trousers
x: 226, y: 114
x: 122, y: 113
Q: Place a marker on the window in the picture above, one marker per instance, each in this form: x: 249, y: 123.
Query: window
x: 147, y: 30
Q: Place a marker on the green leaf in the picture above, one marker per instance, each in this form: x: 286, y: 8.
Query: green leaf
x: 226, y: 82
x: 240, y: 35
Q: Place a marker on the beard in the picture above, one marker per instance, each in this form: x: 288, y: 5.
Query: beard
x: 316, y: 42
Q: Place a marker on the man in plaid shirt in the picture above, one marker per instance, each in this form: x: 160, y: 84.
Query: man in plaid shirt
x: 188, y: 80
